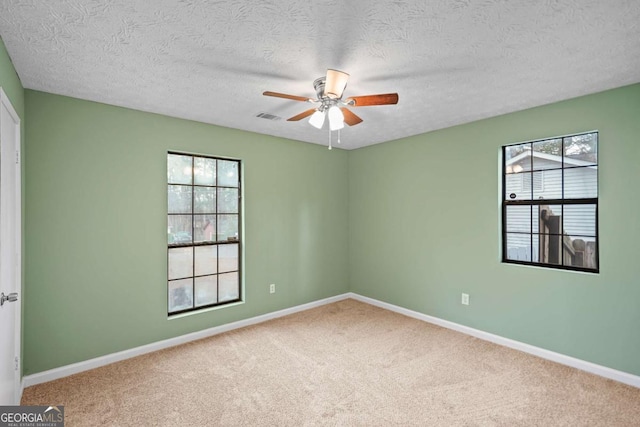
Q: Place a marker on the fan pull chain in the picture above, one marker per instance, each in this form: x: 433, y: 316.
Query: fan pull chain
x: 330, y: 147
x: 338, y: 136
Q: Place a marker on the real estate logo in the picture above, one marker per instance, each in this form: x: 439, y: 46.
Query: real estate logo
x: 31, y: 416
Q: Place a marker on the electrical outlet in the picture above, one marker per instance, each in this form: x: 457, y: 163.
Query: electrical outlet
x: 272, y: 288
x: 465, y: 299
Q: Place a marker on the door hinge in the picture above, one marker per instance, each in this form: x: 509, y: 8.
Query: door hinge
x: 17, y: 360
x: 17, y: 157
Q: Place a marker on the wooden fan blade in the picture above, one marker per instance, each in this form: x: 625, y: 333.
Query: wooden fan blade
x: 366, y: 100
x: 350, y: 118
x: 284, y: 95
x: 302, y: 115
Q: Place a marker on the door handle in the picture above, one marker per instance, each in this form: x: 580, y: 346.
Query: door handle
x: 13, y: 296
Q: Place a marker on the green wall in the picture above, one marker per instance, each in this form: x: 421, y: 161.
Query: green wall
x: 96, y: 226
x: 10, y: 82
x: 424, y: 227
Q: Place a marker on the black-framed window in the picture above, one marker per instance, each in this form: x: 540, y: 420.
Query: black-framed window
x: 550, y: 202
x: 203, y: 232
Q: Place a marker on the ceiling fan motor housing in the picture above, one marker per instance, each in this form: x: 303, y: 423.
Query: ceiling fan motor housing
x: 325, y: 101
x: 318, y: 85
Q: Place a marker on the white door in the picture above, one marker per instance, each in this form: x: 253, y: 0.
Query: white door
x: 10, y: 247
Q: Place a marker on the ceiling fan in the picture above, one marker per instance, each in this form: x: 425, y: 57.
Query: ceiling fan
x: 329, y: 91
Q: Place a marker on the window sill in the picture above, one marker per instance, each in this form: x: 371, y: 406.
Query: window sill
x: 548, y: 267
x: 204, y: 310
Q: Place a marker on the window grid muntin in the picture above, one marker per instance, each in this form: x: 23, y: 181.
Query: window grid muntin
x: 217, y: 243
x: 562, y: 202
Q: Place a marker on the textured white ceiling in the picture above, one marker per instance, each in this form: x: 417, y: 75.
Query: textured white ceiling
x: 451, y: 61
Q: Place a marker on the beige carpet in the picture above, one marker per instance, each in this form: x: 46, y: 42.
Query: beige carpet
x: 343, y: 364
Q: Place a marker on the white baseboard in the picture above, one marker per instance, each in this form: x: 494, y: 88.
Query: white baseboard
x: 75, y: 368
x: 603, y: 371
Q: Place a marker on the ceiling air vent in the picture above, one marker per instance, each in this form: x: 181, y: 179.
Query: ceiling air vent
x: 268, y: 116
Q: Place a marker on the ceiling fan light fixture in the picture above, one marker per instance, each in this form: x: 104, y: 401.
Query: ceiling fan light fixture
x: 329, y: 90
x: 317, y: 119
x: 336, y: 118
x: 335, y: 83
